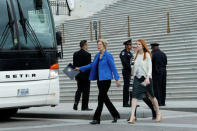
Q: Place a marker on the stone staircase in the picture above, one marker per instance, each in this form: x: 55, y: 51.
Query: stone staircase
x: 148, y: 21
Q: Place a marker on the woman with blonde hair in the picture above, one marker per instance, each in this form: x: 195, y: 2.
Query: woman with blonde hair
x: 142, y: 84
x: 103, y: 69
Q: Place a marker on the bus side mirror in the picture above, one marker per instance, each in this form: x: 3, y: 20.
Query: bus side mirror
x: 59, y: 42
x: 59, y: 38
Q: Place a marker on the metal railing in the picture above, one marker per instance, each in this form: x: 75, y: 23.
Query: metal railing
x: 59, y: 8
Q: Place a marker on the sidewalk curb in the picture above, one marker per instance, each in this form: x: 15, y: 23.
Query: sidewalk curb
x: 105, y: 115
x: 180, y: 109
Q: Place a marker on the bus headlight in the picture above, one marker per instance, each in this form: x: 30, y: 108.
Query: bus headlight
x: 53, y: 74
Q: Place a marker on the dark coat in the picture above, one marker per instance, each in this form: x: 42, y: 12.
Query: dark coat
x: 126, y: 57
x: 159, y: 73
x: 81, y: 58
x: 159, y: 61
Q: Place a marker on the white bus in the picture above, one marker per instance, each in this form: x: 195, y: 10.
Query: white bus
x: 28, y: 56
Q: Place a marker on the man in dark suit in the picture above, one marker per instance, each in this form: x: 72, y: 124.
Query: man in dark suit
x: 81, y: 58
x: 159, y: 62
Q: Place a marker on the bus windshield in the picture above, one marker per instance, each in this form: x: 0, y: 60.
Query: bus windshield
x: 27, y: 23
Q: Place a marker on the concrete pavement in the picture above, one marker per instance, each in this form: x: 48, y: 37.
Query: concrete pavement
x: 65, y: 110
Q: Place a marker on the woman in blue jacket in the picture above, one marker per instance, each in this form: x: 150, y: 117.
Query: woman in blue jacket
x: 103, y: 69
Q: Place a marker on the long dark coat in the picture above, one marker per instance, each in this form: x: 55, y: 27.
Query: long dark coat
x: 159, y: 73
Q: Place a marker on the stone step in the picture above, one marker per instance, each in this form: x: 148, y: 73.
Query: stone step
x: 147, y: 37
x: 171, y: 51
x: 93, y: 88
x: 119, y: 93
x: 181, y: 98
x: 170, y: 59
x: 164, y: 43
x: 170, y: 77
x: 79, y: 37
x: 127, y: 8
x: 117, y: 99
x: 106, y: 26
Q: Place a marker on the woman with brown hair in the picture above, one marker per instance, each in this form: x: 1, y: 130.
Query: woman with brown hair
x: 142, y: 84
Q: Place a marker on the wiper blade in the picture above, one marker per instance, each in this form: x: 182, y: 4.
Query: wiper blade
x: 16, y: 41
x: 8, y: 26
x: 33, y: 37
x: 22, y: 21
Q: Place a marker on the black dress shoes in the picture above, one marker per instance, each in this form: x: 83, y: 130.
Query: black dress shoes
x: 126, y: 105
x: 87, y: 109
x: 162, y: 104
x: 115, y: 119
x: 95, y: 122
x: 75, y: 107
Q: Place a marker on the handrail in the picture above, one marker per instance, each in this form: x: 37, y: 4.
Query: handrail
x: 60, y: 7
x: 168, y: 22
x: 99, y: 29
x: 129, y: 27
x: 69, y: 10
x: 91, y: 37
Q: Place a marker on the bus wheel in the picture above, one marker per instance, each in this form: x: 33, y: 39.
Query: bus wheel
x: 7, y: 113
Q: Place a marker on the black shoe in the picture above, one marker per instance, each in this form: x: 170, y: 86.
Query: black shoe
x: 153, y: 115
x: 162, y: 105
x: 126, y: 105
x: 159, y: 104
x: 115, y: 119
x: 87, y: 109
x: 94, y: 122
x: 75, y: 107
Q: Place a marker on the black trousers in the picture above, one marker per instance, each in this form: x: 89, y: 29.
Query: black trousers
x: 163, y: 87
x: 159, y: 86
x: 126, y: 77
x: 103, y: 87
x: 84, y: 89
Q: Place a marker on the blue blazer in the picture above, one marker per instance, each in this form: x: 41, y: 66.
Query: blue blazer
x: 106, y: 67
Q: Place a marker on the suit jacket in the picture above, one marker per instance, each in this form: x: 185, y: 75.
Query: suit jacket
x: 81, y: 58
x: 159, y: 60
x: 106, y: 67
